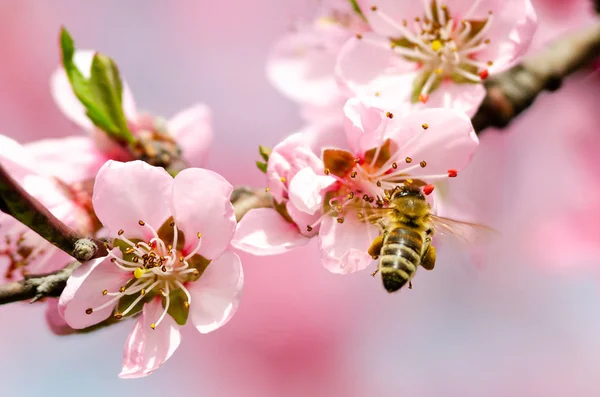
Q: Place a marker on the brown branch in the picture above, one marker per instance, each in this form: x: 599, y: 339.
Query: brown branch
x: 35, y: 287
x: 513, y: 91
x: 15, y: 201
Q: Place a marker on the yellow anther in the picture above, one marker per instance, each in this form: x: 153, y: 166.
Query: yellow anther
x: 186, y: 304
x: 436, y: 45
x: 138, y: 272
x: 153, y: 326
x: 105, y: 292
x: 142, y: 223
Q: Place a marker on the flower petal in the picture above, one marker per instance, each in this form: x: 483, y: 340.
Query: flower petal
x: 200, y: 204
x: 84, y: 290
x: 344, y: 245
x: 55, y: 322
x: 306, y: 190
x: 462, y: 97
x: 68, y: 103
x: 216, y: 295
x: 368, y: 64
x: 192, y: 129
x: 17, y: 160
x: 147, y: 349
x: 82, y: 163
x: 448, y: 143
x: 301, y: 64
x: 263, y: 231
x: 126, y: 193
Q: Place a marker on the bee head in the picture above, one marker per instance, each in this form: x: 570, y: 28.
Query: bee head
x: 406, y: 191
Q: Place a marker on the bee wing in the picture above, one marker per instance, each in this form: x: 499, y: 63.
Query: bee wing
x: 376, y: 216
x: 471, y: 234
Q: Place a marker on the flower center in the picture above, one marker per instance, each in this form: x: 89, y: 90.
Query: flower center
x: 156, y: 268
x: 445, y: 47
x: 364, y: 182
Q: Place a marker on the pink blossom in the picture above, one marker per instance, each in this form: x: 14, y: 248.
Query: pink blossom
x: 301, y: 65
x: 170, y: 260
x: 25, y: 249
x: 191, y: 128
x: 435, y: 52
x: 327, y: 181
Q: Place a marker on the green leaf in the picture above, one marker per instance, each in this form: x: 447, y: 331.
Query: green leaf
x: 101, y: 94
x: 357, y: 9
x: 265, y: 152
x: 106, y: 88
x: 262, y: 166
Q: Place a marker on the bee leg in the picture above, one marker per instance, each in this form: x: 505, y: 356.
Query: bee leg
x: 409, y: 284
x: 428, y: 259
x: 375, y: 272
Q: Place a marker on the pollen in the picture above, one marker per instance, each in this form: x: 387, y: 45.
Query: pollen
x: 394, y: 165
x: 267, y: 189
x: 326, y: 171
x: 186, y: 304
x: 484, y: 74
x: 436, y: 45
x: 118, y: 316
x: 353, y: 174
x: 141, y: 222
x: 425, y: 126
x: 121, y: 232
x: 359, y: 36
x: 282, y: 179
x: 408, y: 160
x: 423, y: 164
x: 89, y: 310
x: 427, y: 189
x: 309, y: 228
x: 389, y: 115
x: 138, y: 272
x: 122, y: 289
x: 452, y: 173
x: 373, y: 8
x: 199, y: 235
x: 153, y: 326
x: 340, y: 220
x: 105, y: 292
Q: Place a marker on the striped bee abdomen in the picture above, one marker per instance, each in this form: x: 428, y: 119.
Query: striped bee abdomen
x: 400, y: 255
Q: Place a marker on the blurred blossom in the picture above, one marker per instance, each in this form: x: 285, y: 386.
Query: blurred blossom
x: 26, y: 251
x: 161, y: 264
x: 301, y: 64
x: 191, y: 128
x: 328, y: 181
x: 436, y: 53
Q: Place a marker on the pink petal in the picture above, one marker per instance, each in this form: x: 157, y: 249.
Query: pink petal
x: 200, y: 204
x: 67, y: 101
x: 82, y: 163
x: 302, y: 63
x: 126, y: 193
x: 147, y: 349
x: 263, y: 231
x: 389, y: 14
x: 192, y: 129
x: 17, y: 160
x: 513, y: 26
x: 462, y: 97
x: 344, y: 245
x: 84, y: 290
x: 306, y: 190
x: 216, y: 295
x: 55, y: 322
x: 368, y: 65
x: 448, y: 143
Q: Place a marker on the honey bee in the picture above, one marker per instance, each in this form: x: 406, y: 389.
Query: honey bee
x: 408, y: 226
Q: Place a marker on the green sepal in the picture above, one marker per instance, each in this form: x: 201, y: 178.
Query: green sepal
x: 265, y: 152
x: 262, y: 166
x: 177, y: 310
x: 101, y: 94
x: 357, y: 9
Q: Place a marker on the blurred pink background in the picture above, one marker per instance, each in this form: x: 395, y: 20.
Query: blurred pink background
x: 525, y: 324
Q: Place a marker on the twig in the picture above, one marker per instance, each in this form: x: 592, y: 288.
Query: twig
x: 513, y: 91
x: 15, y: 201
x: 36, y: 287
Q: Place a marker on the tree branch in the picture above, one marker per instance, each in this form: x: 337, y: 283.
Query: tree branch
x: 19, y: 204
x: 513, y: 91
x: 36, y: 287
